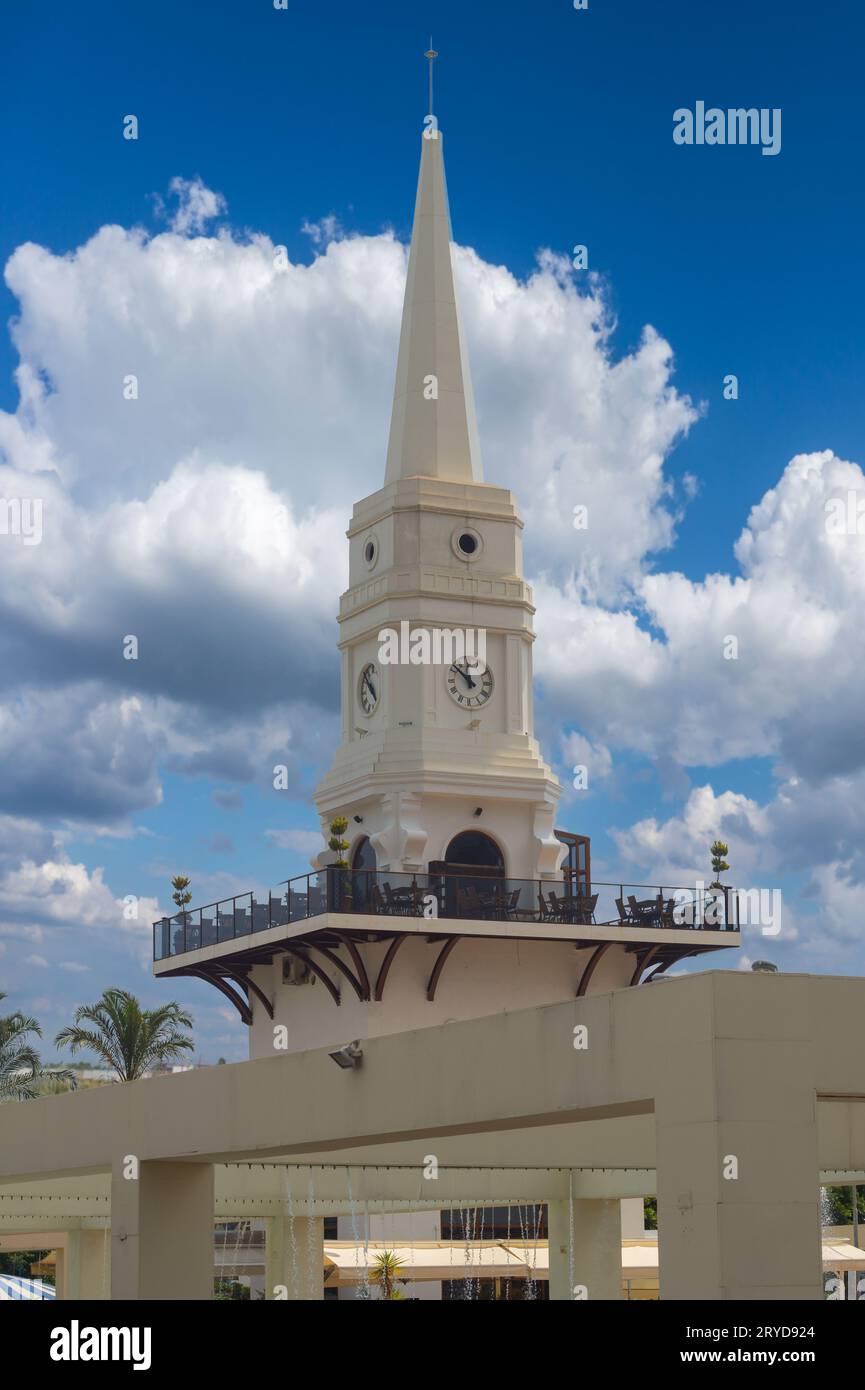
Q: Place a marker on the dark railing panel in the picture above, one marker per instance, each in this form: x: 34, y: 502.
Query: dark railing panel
x: 379, y: 893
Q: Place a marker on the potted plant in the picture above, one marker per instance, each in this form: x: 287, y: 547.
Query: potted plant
x: 338, y: 875
x: 182, y: 898
x: 715, y: 914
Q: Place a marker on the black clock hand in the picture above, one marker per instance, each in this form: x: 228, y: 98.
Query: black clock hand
x: 466, y: 676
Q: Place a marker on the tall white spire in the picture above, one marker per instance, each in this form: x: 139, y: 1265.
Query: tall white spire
x: 433, y: 430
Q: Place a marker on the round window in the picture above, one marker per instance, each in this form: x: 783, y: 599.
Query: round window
x: 466, y: 543
x: 370, y: 552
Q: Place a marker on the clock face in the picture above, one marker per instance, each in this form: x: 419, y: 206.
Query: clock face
x: 467, y: 687
x: 369, y: 688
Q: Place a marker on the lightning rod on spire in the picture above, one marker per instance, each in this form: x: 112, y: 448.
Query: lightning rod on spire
x: 431, y: 55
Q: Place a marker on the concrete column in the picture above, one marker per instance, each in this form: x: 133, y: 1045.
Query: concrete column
x: 294, y: 1258
x: 633, y: 1218
x: 597, y: 1246
x: 738, y: 1172
x: 86, y: 1274
x: 162, y: 1231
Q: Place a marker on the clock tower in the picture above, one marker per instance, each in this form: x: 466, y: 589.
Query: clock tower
x: 438, y: 761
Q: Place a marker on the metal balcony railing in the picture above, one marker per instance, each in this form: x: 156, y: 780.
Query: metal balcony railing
x: 473, y: 898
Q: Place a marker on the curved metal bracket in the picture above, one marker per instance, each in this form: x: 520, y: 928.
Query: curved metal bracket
x: 643, y: 960
x: 224, y: 987
x: 674, y: 960
x: 340, y: 966
x: 248, y: 984
x: 314, y: 967
x: 357, y: 958
x: 384, y: 968
x: 592, y: 965
x: 439, y: 966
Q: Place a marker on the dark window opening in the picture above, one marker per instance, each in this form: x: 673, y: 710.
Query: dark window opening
x: 474, y: 849
x: 363, y: 864
x: 519, y: 1222
x: 496, y: 1290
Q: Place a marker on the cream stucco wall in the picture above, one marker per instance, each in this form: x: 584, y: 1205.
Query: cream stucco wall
x: 482, y: 976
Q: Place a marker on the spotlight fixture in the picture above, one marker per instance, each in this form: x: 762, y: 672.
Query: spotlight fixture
x: 361, y: 733
x: 474, y: 723
x: 479, y: 810
x: 359, y: 819
x: 349, y: 1056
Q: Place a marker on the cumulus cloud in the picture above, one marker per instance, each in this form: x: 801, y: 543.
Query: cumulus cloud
x: 764, y: 662
x: 203, y: 512
x: 580, y: 752
x: 676, y: 849
x: 204, y: 516
x: 196, y: 205
x: 306, y: 842
x: 77, y: 752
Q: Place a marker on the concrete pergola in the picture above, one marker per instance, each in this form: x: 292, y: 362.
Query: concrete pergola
x: 730, y: 1095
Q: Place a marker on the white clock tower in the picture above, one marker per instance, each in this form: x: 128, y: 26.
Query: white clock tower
x: 438, y: 762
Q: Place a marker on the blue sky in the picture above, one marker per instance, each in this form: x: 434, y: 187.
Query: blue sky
x: 558, y: 127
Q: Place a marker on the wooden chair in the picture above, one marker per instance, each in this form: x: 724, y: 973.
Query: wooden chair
x: 666, y: 913
x: 557, y: 909
x: 376, y: 900
x: 584, y: 909
x: 469, y: 903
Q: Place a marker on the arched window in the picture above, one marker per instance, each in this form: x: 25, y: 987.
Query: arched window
x: 363, y: 863
x: 473, y: 848
x: 473, y: 865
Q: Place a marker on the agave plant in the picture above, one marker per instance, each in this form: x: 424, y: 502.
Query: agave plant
x: 130, y: 1039
x: 385, y: 1273
x: 21, y: 1072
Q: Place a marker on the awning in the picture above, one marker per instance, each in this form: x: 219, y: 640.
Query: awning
x: 439, y: 1260
x: 345, y: 1262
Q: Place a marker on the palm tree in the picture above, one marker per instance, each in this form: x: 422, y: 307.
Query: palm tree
x: 130, y: 1039
x: 21, y: 1071
x: 385, y: 1273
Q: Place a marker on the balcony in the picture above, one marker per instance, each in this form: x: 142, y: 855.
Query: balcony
x: 557, y: 905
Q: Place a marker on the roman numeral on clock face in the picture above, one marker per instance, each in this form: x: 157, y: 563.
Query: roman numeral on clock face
x: 468, y: 687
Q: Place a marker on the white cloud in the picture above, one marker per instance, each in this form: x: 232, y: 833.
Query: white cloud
x: 677, y: 850
x: 578, y: 751
x: 305, y: 842
x: 206, y: 517
x: 196, y: 205
x: 794, y: 689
